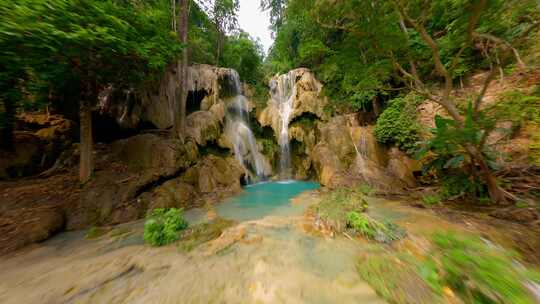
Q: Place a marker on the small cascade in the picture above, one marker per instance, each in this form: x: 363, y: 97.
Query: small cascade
x: 240, y: 135
x: 363, y: 145
x: 283, y: 90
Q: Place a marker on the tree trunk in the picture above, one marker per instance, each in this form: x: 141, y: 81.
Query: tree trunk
x: 376, y: 108
x: 179, y: 128
x: 219, y: 47
x: 496, y: 193
x: 86, y: 147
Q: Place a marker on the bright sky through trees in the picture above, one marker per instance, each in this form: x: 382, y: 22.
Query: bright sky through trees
x: 255, y: 22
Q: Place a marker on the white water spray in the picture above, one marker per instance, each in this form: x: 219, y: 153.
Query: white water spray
x: 239, y: 133
x: 283, y: 90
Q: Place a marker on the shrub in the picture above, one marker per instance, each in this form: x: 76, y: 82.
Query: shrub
x: 162, y: 226
x: 398, y: 125
x: 335, y: 206
x: 372, y: 229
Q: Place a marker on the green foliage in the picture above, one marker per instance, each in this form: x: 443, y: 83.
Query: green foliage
x: 244, y: 54
x: 472, y: 269
x: 447, y: 155
x: 353, y: 45
x: 334, y: 207
x: 363, y: 224
x: 365, y: 189
x: 431, y: 200
x: 162, y: 226
x: 270, y: 147
x: 398, y: 124
x: 476, y: 271
x: 395, y: 277
x: 354, y: 72
x: 517, y: 107
x: 51, y: 47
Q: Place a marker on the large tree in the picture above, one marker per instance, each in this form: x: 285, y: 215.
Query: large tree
x: 366, y: 51
x: 90, y: 44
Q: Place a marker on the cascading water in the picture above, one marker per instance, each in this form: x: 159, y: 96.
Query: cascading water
x: 283, y: 90
x: 239, y: 133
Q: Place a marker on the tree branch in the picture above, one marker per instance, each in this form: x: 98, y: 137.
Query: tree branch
x: 480, y: 96
x: 506, y: 44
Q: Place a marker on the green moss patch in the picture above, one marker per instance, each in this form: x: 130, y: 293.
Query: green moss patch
x: 335, y: 205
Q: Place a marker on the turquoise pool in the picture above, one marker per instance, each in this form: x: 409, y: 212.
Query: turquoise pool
x: 262, y: 199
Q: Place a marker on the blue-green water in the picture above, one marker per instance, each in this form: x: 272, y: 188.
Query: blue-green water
x: 260, y: 200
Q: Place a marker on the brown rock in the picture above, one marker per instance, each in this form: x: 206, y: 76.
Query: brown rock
x: 173, y: 194
x: 152, y: 152
x: 26, y: 226
x: 227, y: 239
x: 522, y: 215
x: 203, y: 127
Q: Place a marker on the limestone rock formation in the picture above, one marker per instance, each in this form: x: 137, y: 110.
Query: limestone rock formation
x: 347, y: 153
x: 206, y: 86
x: 305, y: 91
x: 203, y: 127
x: 214, y: 174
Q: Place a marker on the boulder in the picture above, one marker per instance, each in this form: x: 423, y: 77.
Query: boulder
x: 305, y: 134
x: 203, y: 127
x: 25, y: 158
x: 173, y: 194
x: 402, y: 167
x: 214, y: 174
x: 161, y: 155
x: 23, y: 226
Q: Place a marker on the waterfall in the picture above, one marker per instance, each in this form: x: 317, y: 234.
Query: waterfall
x: 240, y: 135
x: 283, y: 90
x: 363, y: 145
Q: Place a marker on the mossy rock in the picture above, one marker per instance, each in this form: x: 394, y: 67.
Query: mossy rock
x: 335, y: 205
x: 199, y: 234
x: 96, y: 232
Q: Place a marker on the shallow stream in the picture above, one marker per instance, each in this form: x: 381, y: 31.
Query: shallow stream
x: 271, y: 256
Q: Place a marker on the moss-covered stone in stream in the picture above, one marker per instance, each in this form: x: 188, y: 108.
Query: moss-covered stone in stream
x: 202, y: 233
x: 335, y: 205
x: 343, y: 210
